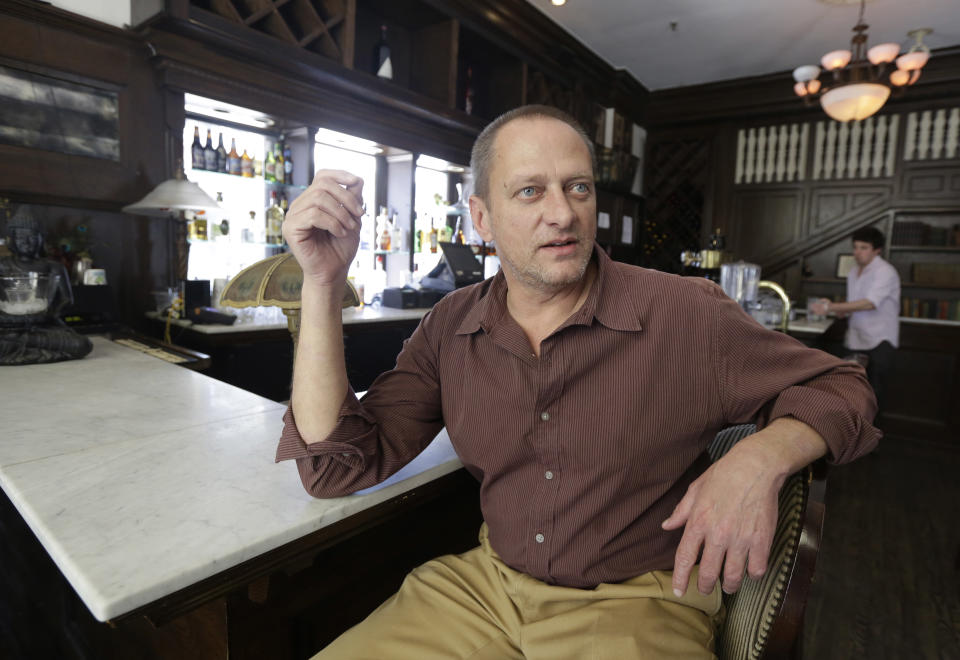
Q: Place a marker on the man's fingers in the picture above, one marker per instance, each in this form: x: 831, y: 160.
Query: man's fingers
x: 346, y: 200
x: 328, y: 203
x: 342, y: 177
x: 710, y: 564
x: 733, y: 569
x: 759, y: 556
x: 681, y: 512
x: 316, y: 218
x: 684, y: 561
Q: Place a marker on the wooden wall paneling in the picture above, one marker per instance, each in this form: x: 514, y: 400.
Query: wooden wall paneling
x: 939, y: 180
x: 433, y: 61
x: 768, y: 222
x: 103, y: 58
x: 66, y: 191
x: 253, y: 71
x: 832, y: 205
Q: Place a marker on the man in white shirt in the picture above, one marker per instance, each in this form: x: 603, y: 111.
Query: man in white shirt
x: 873, y: 303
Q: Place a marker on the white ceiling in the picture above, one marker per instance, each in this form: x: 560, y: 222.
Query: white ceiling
x: 724, y: 39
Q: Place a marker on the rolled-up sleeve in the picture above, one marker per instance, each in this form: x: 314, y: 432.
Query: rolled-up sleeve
x: 374, y: 436
x: 764, y: 375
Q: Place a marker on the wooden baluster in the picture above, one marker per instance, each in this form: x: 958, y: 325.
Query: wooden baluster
x: 854, y: 157
x: 939, y: 130
x: 910, y: 143
x: 828, y: 160
x: 953, y: 133
x: 842, y: 138
x: 792, y: 156
x: 881, y: 145
x: 782, y: 152
x: 761, y: 153
x: 802, y: 149
x: 818, y: 151
x: 741, y: 145
x: 892, y: 149
x: 867, y: 144
x: 923, y: 143
x: 771, y: 152
x: 751, y: 146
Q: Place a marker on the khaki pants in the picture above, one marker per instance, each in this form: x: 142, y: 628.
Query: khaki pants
x: 475, y: 606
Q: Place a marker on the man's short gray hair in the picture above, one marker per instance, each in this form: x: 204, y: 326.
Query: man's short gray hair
x: 482, y: 155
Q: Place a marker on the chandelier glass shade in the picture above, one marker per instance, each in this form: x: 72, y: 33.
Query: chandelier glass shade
x: 854, y: 84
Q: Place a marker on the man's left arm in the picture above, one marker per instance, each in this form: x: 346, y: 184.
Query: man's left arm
x: 805, y: 402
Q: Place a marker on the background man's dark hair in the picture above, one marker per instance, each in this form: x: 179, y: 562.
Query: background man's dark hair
x: 870, y: 235
x: 481, y: 157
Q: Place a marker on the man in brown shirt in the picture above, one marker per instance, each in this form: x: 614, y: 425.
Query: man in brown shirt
x: 581, y: 393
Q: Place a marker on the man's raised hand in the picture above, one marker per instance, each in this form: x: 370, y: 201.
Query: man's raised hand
x: 322, y: 226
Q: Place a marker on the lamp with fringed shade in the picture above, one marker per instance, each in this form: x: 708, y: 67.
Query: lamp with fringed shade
x: 276, y: 281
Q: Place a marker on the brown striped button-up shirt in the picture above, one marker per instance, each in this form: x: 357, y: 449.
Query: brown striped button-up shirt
x: 584, y: 451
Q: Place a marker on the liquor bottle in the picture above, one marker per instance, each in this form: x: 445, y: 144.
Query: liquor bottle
x: 382, y: 64
x: 246, y: 165
x: 287, y: 164
x: 278, y: 163
x: 200, y: 225
x: 446, y: 234
x: 468, y: 94
x: 397, y: 236
x: 196, y: 151
x: 210, y: 154
x: 284, y: 204
x: 269, y: 167
x: 434, y: 237
x: 233, y: 159
x: 385, y: 236
x: 221, y: 156
x: 274, y: 220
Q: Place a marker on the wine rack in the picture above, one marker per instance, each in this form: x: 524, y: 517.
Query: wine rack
x: 320, y: 26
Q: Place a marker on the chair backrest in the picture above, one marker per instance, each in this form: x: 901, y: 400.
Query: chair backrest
x: 765, y: 617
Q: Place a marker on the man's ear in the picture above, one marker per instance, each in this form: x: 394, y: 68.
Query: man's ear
x: 482, y: 220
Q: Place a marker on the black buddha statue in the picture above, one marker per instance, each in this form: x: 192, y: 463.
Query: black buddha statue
x: 30, y: 336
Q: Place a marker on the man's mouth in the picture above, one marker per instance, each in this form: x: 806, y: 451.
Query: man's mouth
x: 561, y: 243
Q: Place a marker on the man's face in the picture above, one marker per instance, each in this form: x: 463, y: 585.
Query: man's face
x: 863, y: 252
x: 542, y: 208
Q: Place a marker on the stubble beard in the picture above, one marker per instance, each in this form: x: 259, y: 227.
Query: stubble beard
x: 534, y: 275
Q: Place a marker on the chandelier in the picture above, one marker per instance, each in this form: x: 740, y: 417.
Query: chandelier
x: 861, y: 80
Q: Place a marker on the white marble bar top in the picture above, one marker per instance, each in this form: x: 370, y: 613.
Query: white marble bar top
x: 141, y: 478
x: 811, y: 327
x: 351, y: 316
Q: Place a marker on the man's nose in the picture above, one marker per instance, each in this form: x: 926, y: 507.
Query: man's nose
x: 558, y: 211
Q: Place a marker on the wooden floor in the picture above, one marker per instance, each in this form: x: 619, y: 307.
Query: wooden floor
x: 888, y: 579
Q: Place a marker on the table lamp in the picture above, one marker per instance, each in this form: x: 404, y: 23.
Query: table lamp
x: 171, y: 199
x: 276, y: 281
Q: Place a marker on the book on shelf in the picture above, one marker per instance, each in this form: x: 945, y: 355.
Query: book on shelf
x: 930, y: 308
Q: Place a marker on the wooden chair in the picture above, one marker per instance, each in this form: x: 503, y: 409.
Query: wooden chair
x: 765, y: 617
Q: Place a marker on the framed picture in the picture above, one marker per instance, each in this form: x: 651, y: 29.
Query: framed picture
x: 845, y: 262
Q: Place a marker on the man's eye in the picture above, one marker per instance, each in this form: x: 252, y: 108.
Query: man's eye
x: 581, y: 188
x: 529, y: 191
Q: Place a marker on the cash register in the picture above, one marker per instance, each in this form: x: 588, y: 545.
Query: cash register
x: 458, y: 267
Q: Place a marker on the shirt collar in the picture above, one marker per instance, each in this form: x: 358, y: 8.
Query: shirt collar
x: 608, y: 301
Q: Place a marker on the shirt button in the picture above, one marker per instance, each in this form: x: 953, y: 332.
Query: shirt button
x: 545, y: 416
x: 539, y: 538
x: 548, y: 474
